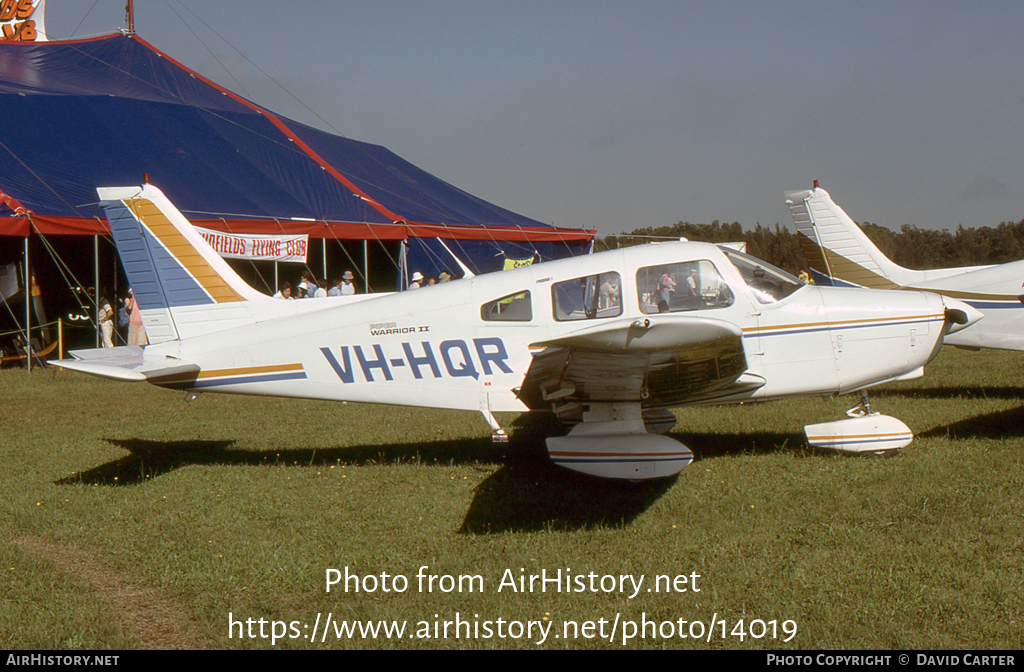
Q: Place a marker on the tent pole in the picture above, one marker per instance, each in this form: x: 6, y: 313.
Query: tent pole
x: 96, y: 282
x: 275, y: 278
x: 403, y: 269
x: 366, y: 267
x: 324, y: 241
x: 28, y: 304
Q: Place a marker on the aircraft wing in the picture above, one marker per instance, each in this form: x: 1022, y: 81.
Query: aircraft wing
x: 659, y: 361
x: 125, y: 363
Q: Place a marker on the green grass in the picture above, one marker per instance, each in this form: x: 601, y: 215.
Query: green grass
x: 40, y: 607
x: 241, y: 504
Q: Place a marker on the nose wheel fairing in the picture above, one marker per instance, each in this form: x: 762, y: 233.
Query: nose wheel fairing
x: 871, y: 433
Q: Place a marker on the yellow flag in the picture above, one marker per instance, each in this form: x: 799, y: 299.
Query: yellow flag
x: 516, y: 263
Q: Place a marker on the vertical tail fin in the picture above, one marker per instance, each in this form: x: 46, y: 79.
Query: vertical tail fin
x: 835, y: 246
x: 183, y: 287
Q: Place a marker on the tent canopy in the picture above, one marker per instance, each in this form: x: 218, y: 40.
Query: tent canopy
x: 82, y: 114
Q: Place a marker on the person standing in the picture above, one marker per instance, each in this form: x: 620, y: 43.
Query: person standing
x: 123, y: 320
x: 106, y: 322
x: 285, y: 292
x: 309, y: 285
x: 347, y: 287
x: 666, y: 286
x: 691, y: 283
x: 136, y: 330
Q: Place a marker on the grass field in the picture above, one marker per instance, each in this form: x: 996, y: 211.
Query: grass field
x: 132, y: 519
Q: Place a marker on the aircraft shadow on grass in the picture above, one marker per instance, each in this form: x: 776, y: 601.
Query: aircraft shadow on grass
x: 527, y: 492
x: 530, y: 493
x: 149, y: 459
x: 1000, y: 425
x: 974, y: 392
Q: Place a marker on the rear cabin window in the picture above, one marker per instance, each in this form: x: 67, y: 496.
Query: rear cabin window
x: 681, y: 286
x: 587, y: 298
x: 512, y: 308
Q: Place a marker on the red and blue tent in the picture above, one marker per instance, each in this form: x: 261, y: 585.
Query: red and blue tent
x: 81, y: 114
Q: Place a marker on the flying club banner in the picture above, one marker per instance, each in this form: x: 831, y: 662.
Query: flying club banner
x: 257, y: 247
x: 22, y: 20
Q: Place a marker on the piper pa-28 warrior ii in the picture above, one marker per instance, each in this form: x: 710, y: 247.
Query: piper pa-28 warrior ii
x: 841, y: 254
x: 606, y: 341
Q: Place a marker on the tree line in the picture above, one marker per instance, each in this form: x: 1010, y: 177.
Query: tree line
x: 910, y: 247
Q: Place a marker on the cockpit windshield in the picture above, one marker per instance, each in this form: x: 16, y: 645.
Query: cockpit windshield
x: 768, y: 284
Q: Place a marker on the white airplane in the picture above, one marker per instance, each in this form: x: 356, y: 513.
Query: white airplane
x: 840, y: 254
x: 606, y: 340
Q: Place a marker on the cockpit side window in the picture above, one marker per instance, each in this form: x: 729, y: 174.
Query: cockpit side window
x: 681, y: 286
x: 587, y: 298
x: 512, y: 308
x: 767, y: 283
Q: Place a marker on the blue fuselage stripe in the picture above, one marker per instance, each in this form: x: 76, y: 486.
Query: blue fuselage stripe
x: 995, y: 305
x: 243, y: 380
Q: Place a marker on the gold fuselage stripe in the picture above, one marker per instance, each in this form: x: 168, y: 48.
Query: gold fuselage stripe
x: 857, y: 436
x: 248, y: 370
x: 839, y: 324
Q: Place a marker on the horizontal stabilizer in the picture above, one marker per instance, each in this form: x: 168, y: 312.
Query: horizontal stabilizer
x: 127, y: 363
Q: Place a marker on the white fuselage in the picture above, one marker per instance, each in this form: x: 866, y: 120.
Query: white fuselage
x: 432, y: 346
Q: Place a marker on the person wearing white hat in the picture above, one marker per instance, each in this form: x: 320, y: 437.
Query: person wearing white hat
x: 309, y: 286
x: 347, y: 287
x: 417, y: 280
x: 342, y: 286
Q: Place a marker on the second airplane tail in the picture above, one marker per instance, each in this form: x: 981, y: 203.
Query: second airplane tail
x: 836, y: 248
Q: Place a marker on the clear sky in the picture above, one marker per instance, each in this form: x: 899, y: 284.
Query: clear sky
x: 616, y: 114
